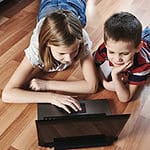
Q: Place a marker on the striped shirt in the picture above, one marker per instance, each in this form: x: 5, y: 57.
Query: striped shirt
x: 138, y: 73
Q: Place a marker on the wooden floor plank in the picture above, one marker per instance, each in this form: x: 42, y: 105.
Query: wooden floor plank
x: 17, y: 121
x: 15, y: 129
x: 10, y: 8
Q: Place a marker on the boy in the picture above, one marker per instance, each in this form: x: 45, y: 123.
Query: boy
x: 127, y: 55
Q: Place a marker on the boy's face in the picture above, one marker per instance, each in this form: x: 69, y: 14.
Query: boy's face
x: 120, y: 52
x: 65, y: 54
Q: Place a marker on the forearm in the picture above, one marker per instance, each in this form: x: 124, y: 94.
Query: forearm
x: 106, y: 84
x: 17, y: 95
x: 121, y: 90
x: 109, y: 85
x: 81, y: 86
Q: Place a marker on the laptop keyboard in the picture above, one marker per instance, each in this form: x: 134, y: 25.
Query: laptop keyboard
x: 79, y: 111
x: 72, y: 111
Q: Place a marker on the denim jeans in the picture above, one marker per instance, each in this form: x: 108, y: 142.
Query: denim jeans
x: 77, y: 7
x: 146, y: 34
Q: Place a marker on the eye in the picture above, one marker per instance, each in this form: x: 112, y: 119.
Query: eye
x: 110, y: 52
x: 61, y: 53
x: 125, y: 53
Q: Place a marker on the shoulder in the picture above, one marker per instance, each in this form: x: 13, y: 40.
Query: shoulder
x: 140, y: 71
x: 32, y: 51
x: 87, y: 40
x: 143, y: 56
x: 102, y: 49
x: 142, y: 59
x: 38, y: 25
x: 100, y: 55
x: 86, y: 50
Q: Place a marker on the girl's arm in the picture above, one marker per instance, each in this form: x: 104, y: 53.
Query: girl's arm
x: 87, y: 85
x: 14, y: 93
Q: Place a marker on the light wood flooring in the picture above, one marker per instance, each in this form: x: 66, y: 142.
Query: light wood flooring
x: 17, y: 121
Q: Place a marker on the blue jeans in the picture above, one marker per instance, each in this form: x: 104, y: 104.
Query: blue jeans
x: 77, y: 7
x: 146, y: 34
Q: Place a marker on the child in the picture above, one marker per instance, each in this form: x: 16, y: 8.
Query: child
x: 57, y: 41
x: 127, y: 55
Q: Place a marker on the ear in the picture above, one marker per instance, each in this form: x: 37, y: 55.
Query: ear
x: 139, y: 46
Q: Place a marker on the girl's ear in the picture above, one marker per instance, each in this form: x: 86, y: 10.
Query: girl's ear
x: 140, y: 46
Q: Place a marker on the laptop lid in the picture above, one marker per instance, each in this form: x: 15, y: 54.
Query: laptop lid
x: 104, y: 128
x: 98, y: 106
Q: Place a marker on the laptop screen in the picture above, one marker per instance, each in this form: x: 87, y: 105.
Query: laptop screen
x: 76, y: 126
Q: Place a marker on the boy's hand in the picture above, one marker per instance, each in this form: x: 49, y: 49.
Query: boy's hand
x: 116, y: 70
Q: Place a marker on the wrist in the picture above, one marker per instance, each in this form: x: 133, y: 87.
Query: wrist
x: 52, y: 98
x: 114, y: 76
x: 105, y: 84
x: 47, y: 85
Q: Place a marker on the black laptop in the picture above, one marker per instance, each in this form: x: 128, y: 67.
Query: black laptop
x: 48, y: 111
x: 91, y: 127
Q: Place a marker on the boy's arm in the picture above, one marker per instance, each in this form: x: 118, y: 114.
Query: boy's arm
x: 107, y: 84
x: 124, y: 93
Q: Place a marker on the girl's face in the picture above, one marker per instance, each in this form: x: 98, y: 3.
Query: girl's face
x: 65, y: 54
x: 120, y: 52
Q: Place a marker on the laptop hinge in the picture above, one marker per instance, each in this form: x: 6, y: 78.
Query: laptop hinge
x: 83, y: 141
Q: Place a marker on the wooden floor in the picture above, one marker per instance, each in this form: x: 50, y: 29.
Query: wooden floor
x: 17, y: 121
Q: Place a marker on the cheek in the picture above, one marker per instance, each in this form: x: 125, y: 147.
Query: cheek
x: 110, y: 57
x: 130, y: 57
x: 55, y: 55
x: 75, y: 54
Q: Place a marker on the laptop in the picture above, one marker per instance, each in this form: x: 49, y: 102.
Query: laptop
x: 89, y: 128
x: 48, y: 111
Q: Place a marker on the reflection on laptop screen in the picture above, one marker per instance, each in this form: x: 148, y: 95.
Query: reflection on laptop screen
x: 79, y: 126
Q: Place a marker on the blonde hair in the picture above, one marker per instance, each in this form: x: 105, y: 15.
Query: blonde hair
x: 60, y: 28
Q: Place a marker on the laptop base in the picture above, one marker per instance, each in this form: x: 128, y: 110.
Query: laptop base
x: 83, y: 141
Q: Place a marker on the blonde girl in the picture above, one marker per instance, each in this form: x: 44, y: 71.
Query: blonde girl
x: 58, y: 40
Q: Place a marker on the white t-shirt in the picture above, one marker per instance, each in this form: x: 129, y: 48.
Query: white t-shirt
x: 32, y: 52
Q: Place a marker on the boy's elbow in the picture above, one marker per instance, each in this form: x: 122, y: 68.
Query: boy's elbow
x: 125, y: 100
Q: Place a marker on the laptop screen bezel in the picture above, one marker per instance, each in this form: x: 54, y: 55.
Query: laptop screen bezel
x: 106, y: 119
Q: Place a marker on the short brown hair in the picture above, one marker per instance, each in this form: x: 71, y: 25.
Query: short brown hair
x: 123, y: 26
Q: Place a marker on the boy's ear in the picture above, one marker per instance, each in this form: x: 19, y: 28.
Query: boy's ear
x: 140, y: 46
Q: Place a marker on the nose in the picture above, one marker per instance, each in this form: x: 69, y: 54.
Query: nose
x: 68, y: 58
x: 118, y: 58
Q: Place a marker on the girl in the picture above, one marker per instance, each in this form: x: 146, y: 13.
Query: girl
x: 57, y: 41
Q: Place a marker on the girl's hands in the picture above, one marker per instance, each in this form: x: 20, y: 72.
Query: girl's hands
x: 59, y: 100
x: 63, y: 101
